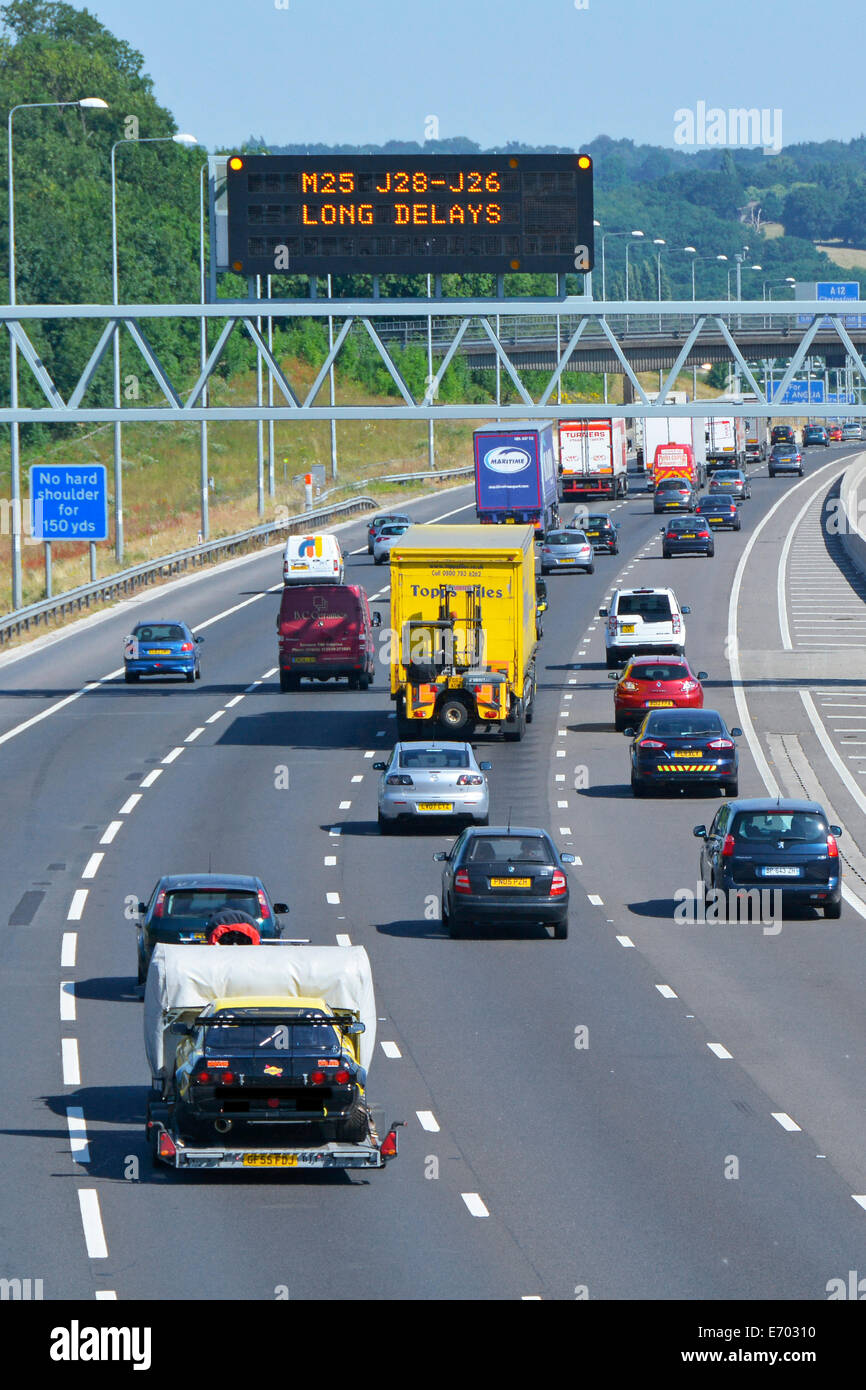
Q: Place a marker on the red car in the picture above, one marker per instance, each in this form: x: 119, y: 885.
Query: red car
x: 835, y: 433
x: 655, y: 682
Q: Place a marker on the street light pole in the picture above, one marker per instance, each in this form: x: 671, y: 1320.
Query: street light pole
x: 203, y: 456
x: 14, y: 430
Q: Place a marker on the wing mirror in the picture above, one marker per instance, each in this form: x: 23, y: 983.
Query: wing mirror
x: 702, y: 676
x: 685, y: 608
x: 441, y: 856
x: 836, y: 830
x: 376, y: 619
x: 353, y: 1030
x: 199, y: 640
x: 182, y: 1030
x: 568, y: 858
x: 630, y: 732
x: 485, y: 767
x: 379, y: 767
x: 602, y: 612
x: 700, y: 832
x: 280, y: 908
x: 142, y: 908
x: 736, y: 733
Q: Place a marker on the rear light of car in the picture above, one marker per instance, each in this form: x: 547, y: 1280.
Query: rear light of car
x: 226, y: 1078
x: 703, y: 535
x: 343, y: 1078
x: 627, y: 685
x: 157, y: 907
x: 399, y: 779
x: 264, y: 910
x: 461, y: 881
x: 202, y: 1078
x: 317, y: 1078
x: 728, y: 847
x: 470, y: 779
x: 686, y: 686
x: 720, y: 743
x: 545, y: 550
x: 676, y: 622
x: 167, y: 1146
x: 652, y: 743
x: 388, y: 1146
x: 186, y: 646
x: 832, y: 847
x: 558, y: 885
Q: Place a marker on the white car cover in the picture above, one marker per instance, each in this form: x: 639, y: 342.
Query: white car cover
x: 189, y: 977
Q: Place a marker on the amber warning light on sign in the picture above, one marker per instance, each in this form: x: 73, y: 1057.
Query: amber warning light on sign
x: 434, y: 213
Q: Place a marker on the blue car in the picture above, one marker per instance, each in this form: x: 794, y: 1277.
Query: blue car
x: 161, y: 649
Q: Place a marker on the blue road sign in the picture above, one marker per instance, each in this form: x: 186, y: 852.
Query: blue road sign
x: 68, y: 502
x: 836, y: 292
x: 799, y: 391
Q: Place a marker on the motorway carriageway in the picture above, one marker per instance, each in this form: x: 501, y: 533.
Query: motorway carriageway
x: 530, y: 1166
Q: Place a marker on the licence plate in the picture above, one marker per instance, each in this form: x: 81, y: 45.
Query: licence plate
x: 300, y: 567
x: 566, y: 560
x: 159, y: 651
x: 194, y: 936
x: 672, y: 504
x: 303, y: 658
x: 435, y: 805
x: 627, y: 627
x: 659, y: 704
x: 511, y: 883
x: 686, y: 755
x: 780, y: 871
x: 687, y: 536
x: 270, y: 1160
x: 593, y: 534
x: 716, y: 518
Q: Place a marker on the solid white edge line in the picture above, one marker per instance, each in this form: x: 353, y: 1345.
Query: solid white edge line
x: 76, y: 907
x: 71, y: 1066
x: 91, y: 1219
x: 68, y: 948
x: 91, y: 867
x: 474, y: 1204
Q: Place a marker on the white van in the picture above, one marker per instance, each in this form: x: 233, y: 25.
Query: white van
x: 313, y: 560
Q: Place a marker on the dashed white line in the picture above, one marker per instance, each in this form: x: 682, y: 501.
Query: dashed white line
x: 560, y: 752
x: 332, y: 897
x: 212, y: 719
x: 175, y: 753
x: 785, y: 1120
x: 91, y: 1218
x: 562, y: 805
x: 860, y: 1199
x: 595, y: 900
x: 191, y: 738
x: 230, y: 704
x: 248, y: 689
x: 474, y: 1204
x: 68, y: 948
x: 358, y: 778
x: 391, y: 1049
x: 565, y: 830
x: 625, y: 941
x: 67, y: 1001
x: 428, y: 1121
x: 92, y: 865
x: 151, y: 777
x: 720, y: 1051
x: 105, y: 1295
x: 130, y: 804
x: 344, y: 805
x: 77, y: 1134
x: 69, y: 1056
x: 371, y: 753
x: 76, y: 907
x: 272, y: 672
x: 110, y: 831
x: 335, y: 830
x: 330, y: 860
x: 343, y: 940
x: 666, y: 992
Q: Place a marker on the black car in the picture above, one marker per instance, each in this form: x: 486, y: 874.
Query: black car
x: 815, y: 434
x: 674, y: 493
x: 719, y: 510
x: 504, y: 876
x: 774, y: 843
x: 785, y: 458
x: 601, y: 532
x: 783, y: 434
x: 732, y: 482
x: 687, y: 535
x: 677, y: 746
x: 182, y: 906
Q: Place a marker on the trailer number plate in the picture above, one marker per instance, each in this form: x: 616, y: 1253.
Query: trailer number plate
x: 270, y: 1160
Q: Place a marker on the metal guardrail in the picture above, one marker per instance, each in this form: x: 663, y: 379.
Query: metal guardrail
x: 408, y: 478
x: 127, y: 581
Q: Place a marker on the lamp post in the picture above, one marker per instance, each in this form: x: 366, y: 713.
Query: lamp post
x: 203, y: 455
x: 87, y: 103
x: 627, y: 249
x: 659, y: 241
x: 181, y: 139
x: 692, y: 251
x: 603, y: 240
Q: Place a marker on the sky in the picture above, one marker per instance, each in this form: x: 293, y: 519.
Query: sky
x: 539, y: 71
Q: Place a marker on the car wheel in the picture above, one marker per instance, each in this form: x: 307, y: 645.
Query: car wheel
x: 711, y: 552
x: 590, y: 569
x: 131, y: 677
x: 772, y: 472
x: 560, y: 931
x: 737, y: 524
x: 638, y: 788
x: 386, y: 826
x: 833, y: 911
x: 544, y: 569
x: 354, y: 682
x: 614, y: 550
x: 198, y: 673
x: 364, y: 680
x: 612, y: 659
x: 800, y: 472
x: 732, y: 788
x: 354, y: 1128
x: 453, y: 715
x: 378, y: 560
x: 666, y: 554
x: 190, y: 676
x: 516, y: 734
x: 142, y: 973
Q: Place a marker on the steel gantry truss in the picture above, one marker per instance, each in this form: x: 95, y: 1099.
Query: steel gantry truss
x: 572, y: 323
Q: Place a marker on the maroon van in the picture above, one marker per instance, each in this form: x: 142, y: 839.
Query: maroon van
x: 326, y: 631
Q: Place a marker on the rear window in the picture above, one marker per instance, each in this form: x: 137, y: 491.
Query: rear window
x: 598, y: 523
x: 160, y: 632
x: 325, y: 602
x: 653, y: 608
x: 678, y: 723
x: 671, y: 485
x: 505, y: 849
x: 271, y: 1037
x: 566, y: 538
x: 769, y: 826
x: 663, y: 671
x: 434, y: 757
x: 196, y: 902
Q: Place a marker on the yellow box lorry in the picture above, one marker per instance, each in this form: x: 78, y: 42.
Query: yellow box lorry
x: 463, y: 630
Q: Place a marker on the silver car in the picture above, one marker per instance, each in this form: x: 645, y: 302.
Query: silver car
x: 567, y: 550
x: 441, y: 780
x: 385, y: 539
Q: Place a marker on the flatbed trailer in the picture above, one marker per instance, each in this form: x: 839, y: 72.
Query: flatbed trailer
x: 168, y: 1147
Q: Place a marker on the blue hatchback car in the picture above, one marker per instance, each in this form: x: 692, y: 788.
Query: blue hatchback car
x: 161, y: 649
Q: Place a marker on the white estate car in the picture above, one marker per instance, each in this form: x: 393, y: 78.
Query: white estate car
x: 643, y: 621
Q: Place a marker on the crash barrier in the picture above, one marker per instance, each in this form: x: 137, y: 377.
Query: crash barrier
x: 852, y: 530
x: 127, y: 582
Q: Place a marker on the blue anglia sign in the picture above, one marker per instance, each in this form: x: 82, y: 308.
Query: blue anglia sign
x: 68, y: 502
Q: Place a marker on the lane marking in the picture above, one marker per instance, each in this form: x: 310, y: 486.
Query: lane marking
x: 330, y: 860
x: 720, y: 1051
x: 428, y: 1121
x: 595, y: 900
x: 358, y: 778
x: 130, y: 804
x: 272, y: 672
x: 67, y: 1001
x: 110, y: 831
x: 68, y: 947
x: 336, y: 830
x: 71, y: 1068
x: 371, y: 753
x: 666, y: 992
x: 474, y: 1204
x: 76, y: 907
x: 77, y: 1134
x: 785, y: 1121
x: 151, y: 777
x: 343, y: 940
x: 92, y: 865
x: 60, y: 704
x: 625, y: 941
x: 332, y: 897
x: 191, y: 738
x: 214, y: 717
x: 175, y: 753
x: 860, y: 1198
x: 391, y: 1049
x: 344, y: 806
x: 230, y: 704
x: 562, y: 805
x: 91, y: 1219
x: 104, y: 1295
